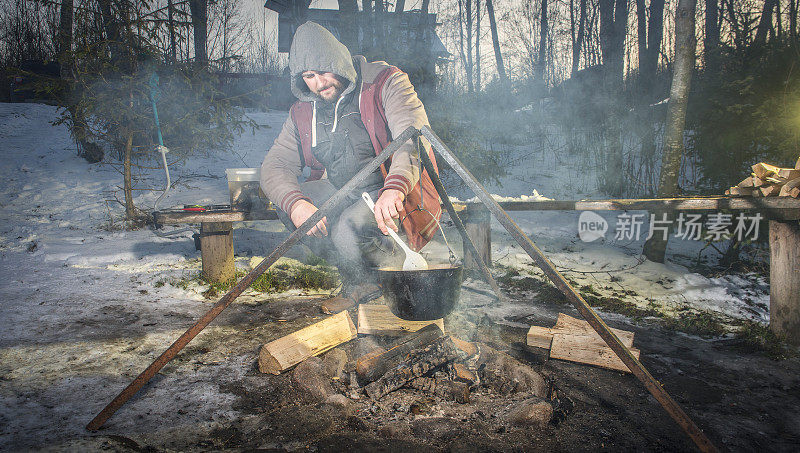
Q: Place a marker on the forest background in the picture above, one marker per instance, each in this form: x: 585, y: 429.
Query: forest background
x: 588, y: 80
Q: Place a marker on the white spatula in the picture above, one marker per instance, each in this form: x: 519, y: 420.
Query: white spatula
x: 414, y: 261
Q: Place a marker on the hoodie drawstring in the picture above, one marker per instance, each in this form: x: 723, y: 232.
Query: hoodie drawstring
x: 314, y: 125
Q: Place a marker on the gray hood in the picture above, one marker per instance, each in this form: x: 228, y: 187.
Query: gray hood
x: 314, y: 48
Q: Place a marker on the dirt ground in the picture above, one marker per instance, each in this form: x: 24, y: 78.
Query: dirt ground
x: 212, y: 397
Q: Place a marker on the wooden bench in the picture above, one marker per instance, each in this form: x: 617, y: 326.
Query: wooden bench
x: 216, y: 237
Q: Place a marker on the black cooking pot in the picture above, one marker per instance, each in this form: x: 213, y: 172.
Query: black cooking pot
x: 421, y: 295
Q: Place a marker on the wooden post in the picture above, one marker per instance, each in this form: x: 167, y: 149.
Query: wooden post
x: 477, y: 222
x: 784, y: 279
x: 216, y: 251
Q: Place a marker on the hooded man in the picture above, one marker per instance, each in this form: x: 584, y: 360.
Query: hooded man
x: 347, y: 111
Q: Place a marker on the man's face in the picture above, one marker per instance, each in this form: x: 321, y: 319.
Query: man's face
x: 326, y: 85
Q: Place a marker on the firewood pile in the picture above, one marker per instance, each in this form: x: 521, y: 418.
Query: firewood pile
x: 769, y: 181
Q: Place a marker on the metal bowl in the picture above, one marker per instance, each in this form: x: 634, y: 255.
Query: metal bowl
x: 421, y: 295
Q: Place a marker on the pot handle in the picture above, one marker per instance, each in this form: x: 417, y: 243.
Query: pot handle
x: 453, y: 258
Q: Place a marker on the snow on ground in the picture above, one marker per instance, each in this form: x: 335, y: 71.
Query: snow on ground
x: 66, y: 266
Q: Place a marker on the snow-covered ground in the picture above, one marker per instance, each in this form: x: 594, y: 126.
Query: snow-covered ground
x: 66, y: 265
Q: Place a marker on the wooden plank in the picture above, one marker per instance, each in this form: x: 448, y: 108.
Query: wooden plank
x: 216, y: 251
x: 378, y: 319
x: 587, y: 350
x: 477, y: 222
x: 657, y: 204
x: 177, y: 217
x: 542, y: 337
x: 784, y: 277
x: 286, y: 352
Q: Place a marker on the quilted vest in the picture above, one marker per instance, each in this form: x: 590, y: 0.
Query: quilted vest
x: 422, y: 204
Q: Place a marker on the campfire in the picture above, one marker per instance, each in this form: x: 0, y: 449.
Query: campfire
x: 421, y: 368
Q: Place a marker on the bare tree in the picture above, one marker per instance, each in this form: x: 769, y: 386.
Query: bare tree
x: 65, y: 35
x: 199, y: 10
x: 173, y: 46
x: 765, y: 24
x: 613, y: 26
x: 711, y: 41
x: 501, y: 69
x: 577, y: 41
x: 542, y: 60
x: 478, y: 44
x: 685, y: 45
x: 649, y: 37
x: 469, y: 67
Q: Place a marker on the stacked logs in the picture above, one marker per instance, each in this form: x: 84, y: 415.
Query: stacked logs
x: 769, y: 181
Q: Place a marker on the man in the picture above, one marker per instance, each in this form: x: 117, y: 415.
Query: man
x: 347, y: 111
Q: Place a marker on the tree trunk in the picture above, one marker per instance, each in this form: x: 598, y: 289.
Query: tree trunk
x: 685, y: 43
x: 112, y: 28
x: 501, y: 69
x: 173, y: 46
x: 711, y: 40
x: 738, y: 40
x: 461, y: 40
x: 578, y: 45
x: 347, y: 24
x: 766, y: 21
x: 540, y: 65
x: 65, y: 36
x: 793, y: 20
x: 641, y: 35
x: 478, y: 44
x: 613, y: 26
x: 199, y: 11
x: 469, y: 67
x: 130, y: 209
x: 655, y: 31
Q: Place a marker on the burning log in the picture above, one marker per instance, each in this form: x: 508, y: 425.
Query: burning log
x: 419, y: 363
x: 443, y: 388
x: 374, y: 364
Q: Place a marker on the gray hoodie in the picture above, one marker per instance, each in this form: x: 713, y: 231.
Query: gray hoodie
x: 314, y: 48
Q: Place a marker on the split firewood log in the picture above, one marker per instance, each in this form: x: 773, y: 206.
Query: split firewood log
x: 791, y: 188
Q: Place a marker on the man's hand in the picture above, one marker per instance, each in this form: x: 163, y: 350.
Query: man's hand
x: 301, y: 211
x: 388, y: 207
